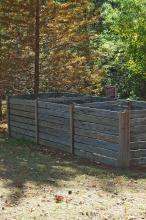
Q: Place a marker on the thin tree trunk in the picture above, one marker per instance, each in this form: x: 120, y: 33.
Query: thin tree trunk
x: 37, y: 48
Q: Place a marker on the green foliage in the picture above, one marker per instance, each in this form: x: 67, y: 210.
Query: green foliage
x: 123, y: 45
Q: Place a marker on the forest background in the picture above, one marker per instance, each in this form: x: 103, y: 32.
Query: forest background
x: 77, y: 46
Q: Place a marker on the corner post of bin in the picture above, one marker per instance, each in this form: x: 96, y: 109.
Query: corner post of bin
x: 8, y: 116
x: 124, y: 139
x: 36, y: 121
x: 71, y: 118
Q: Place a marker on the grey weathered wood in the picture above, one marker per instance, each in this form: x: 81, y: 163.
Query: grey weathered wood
x: 97, y: 135
x: 96, y: 112
x: 96, y: 119
x: 59, y: 146
x: 22, y: 107
x: 55, y: 112
x: 138, y: 145
x: 46, y: 124
x: 23, y: 120
x: 51, y: 106
x: 138, y: 153
x: 22, y: 101
x: 124, y: 139
x: 36, y: 122
x: 138, y: 114
x: 54, y: 119
x: 56, y: 139
x: 22, y: 113
x: 8, y: 116
x: 96, y: 143
x: 99, y: 150
x: 18, y: 135
x: 71, y: 109
x: 54, y: 131
x: 96, y: 158
x: 97, y: 127
x: 23, y: 131
x: 137, y: 122
x: 22, y: 125
x: 138, y: 137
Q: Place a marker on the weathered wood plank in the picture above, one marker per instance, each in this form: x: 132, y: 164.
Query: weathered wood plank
x: 22, y: 113
x: 96, y: 112
x: 96, y: 143
x: 138, y: 145
x: 96, y: 158
x: 124, y: 139
x: 54, y: 145
x: 55, y: 139
x: 138, y: 114
x: 138, y: 137
x: 18, y: 135
x: 21, y: 125
x: 98, y: 120
x: 19, y: 101
x: 138, y: 153
x: 8, y: 116
x: 138, y: 161
x: 22, y: 107
x: 100, y: 150
x: 56, y: 132
x: 55, y: 120
x: 97, y: 127
x: 97, y: 135
x: 22, y: 120
x: 72, y: 128
x: 46, y: 124
x: 52, y: 106
x: 137, y: 122
x: 55, y: 112
x: 23, y: 131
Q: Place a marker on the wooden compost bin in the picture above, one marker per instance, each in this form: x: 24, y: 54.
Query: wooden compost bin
x: 110, y: 132
x: 47, y: 120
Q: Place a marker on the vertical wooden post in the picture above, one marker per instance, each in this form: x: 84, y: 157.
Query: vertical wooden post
x: 124, y: 139
x: 36, y: 122
x: 8, y: 116
x: 71, y: 110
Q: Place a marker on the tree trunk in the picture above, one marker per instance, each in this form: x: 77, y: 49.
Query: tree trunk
x: 0, y: 109
x: 37, y: 47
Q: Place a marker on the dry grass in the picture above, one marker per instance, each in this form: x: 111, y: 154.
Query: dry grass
x: 46, y: 185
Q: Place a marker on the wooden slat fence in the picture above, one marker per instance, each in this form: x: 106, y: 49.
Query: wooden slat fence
x: 110, y: 132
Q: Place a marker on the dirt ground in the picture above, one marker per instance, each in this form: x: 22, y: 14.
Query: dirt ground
x: 48, y: 185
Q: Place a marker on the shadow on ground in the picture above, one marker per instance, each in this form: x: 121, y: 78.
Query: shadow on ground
x: 22, y: 162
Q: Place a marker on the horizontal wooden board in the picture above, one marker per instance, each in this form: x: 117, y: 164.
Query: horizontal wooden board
x: 138, y: 105
x: 138, y: 153
x: 22, y: 119
x: 46, y: 113
x: 96, y: 143
x: 95, y: 157
x: 94, y: 134
x: 22, y: 125
x: 53, y: 119
x: 56, y: 139
x: 22, y: 113
x: 137, y: 122
x: 97, y: 120
x: 96, y: 127
x: 23, y: 131
x: 18, y: 135
x: 138, y: 114
x: 96, y: 112
x: 100, y: 150
x: 55, y: 132
x: 138, y: 137
x: 138, y: 161
x: 63, y: 127
x: 138, y: 129
x: 20, y: 101
x: 138, y: 145
x: 23, y: 107
x: 53, y: 106
x: 55, y: 145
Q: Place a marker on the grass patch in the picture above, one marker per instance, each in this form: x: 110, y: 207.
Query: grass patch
x: 31, y: 176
